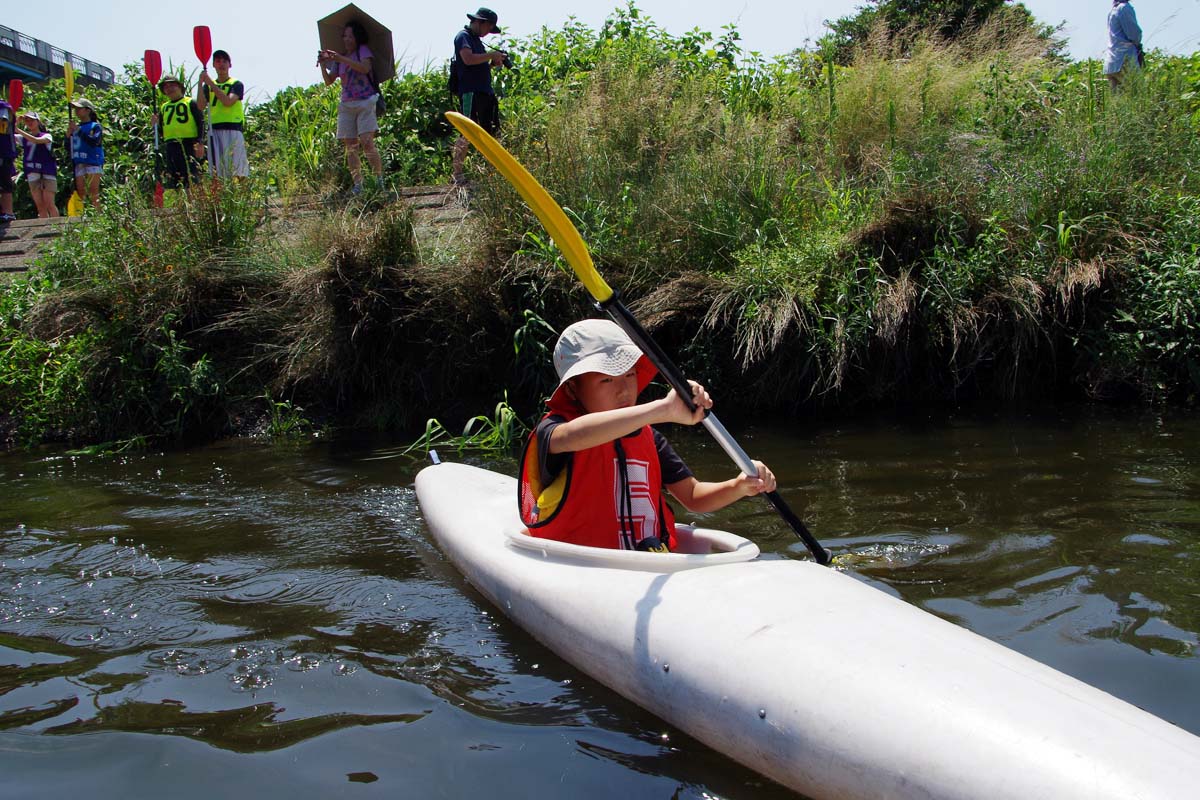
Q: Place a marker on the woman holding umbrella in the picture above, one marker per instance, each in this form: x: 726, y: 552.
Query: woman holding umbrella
x: 357, y: 123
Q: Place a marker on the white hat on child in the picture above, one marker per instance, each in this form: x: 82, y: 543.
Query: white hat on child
x: 594, y: 345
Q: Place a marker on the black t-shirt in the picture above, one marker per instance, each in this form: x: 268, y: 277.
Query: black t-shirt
x: 472, y: 77
x: 672, y: 466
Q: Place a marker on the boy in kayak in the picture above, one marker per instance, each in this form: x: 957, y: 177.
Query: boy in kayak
x: 594, y: 470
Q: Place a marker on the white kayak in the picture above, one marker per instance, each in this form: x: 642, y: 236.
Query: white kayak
x: 802, y: 673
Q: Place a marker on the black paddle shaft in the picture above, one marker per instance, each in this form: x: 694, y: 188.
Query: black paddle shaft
x: 624, y: 317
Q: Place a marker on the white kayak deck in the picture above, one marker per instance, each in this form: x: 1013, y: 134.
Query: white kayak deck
x: 807, y: 675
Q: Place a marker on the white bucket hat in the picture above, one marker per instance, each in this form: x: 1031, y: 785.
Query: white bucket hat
x: 598, y: 345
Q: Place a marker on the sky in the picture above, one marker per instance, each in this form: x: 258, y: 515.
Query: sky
x: 274, y: 44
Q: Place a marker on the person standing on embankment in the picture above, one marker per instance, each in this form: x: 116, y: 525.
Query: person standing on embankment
x: 38, y: 164
x: 357, y: 122
x: 182, y: 133
x: 473, y: 64
x: 1124, y: 42
x: 227, y: 155
x: 8, y: 159
x: 87, y: 150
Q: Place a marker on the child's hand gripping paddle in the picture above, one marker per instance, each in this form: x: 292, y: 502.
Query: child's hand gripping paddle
x: 573, y: 248
x: 202, y: 43
x: 153, y: 64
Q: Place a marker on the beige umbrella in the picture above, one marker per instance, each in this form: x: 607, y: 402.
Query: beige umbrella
x: 379, y: 38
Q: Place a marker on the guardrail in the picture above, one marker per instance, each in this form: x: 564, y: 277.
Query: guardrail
x: 54, y: 55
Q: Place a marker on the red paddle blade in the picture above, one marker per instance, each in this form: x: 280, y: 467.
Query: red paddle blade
x: 153, y: 63
x: 16, y: 93
x: 158, y: 195
x: 202, y: 39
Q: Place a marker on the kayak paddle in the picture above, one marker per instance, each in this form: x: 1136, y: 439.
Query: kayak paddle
x: 75, y: 202
x: 16, y: 94
x: 573, y: 248
x: 202, y: 44
x: 153, y: 64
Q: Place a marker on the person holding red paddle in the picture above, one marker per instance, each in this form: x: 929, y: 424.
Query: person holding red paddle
x: 182, y: 129
x: 227, y: 115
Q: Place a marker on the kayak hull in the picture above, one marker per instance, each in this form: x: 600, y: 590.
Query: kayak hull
x: 805, y: 674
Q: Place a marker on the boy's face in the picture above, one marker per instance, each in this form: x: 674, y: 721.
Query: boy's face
x: 599, y: 392
x: 173, y: 91
x: 221, y: 64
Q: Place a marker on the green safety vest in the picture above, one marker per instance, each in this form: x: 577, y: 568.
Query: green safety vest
x: 178, y: 122
x: 220, y: 112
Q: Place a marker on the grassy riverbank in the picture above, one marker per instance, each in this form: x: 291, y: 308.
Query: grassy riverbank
x: 943, y: 223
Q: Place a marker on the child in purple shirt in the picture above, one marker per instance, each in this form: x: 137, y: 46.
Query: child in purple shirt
x: 38, y: 163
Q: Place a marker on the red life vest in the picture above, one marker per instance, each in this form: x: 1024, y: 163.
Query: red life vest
x: 607, y: 496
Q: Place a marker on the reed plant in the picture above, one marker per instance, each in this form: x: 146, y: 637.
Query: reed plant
x: 499, y: 434
x: 934, y: 213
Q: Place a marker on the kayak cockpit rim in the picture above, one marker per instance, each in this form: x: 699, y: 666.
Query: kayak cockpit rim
x: 696, y: 547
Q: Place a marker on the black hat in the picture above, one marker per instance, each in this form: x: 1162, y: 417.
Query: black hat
x: 487, y: 15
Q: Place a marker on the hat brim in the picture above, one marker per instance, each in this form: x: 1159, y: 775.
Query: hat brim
x: 646, y: 371
x: 495, y: 26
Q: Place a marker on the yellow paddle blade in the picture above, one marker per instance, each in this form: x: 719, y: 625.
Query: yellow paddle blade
x: 548, y: 212
x: 69, y: 79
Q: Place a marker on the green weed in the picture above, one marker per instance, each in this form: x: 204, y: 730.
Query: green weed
x: 500, y: 433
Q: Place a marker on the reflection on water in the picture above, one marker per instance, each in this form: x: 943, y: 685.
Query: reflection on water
x: 277, y: 620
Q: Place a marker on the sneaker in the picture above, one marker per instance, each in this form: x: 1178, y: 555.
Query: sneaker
x: 8, y: 217
x: 356, y: 189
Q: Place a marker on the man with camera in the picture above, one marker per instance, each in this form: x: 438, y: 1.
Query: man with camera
x: 472, y: 79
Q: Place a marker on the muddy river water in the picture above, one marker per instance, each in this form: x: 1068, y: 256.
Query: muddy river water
x: 273, y: 620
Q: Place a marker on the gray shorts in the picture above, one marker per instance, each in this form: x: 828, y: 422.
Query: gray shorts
x: 37, y: 180
x: 88, y: 169
x: 228, y: 154
x: 356, y: 117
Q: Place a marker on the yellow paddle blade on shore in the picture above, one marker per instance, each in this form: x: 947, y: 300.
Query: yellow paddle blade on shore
x: 549, y: 213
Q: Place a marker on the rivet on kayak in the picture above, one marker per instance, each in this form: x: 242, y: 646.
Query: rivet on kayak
x: 666, y: 667
x: 762, y: 713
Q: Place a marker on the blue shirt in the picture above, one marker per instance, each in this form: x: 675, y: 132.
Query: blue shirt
x: 86, y: 147
x: 472, y: 77
x: 1124, y: 36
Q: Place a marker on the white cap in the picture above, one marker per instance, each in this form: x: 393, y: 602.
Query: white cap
x: 594, y: 345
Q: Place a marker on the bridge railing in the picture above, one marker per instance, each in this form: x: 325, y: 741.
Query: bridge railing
x: 54, y: 55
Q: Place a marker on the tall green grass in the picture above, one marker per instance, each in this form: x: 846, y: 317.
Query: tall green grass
x: 936, y: 221
x: 940, y: 221
x: 196, y: 321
